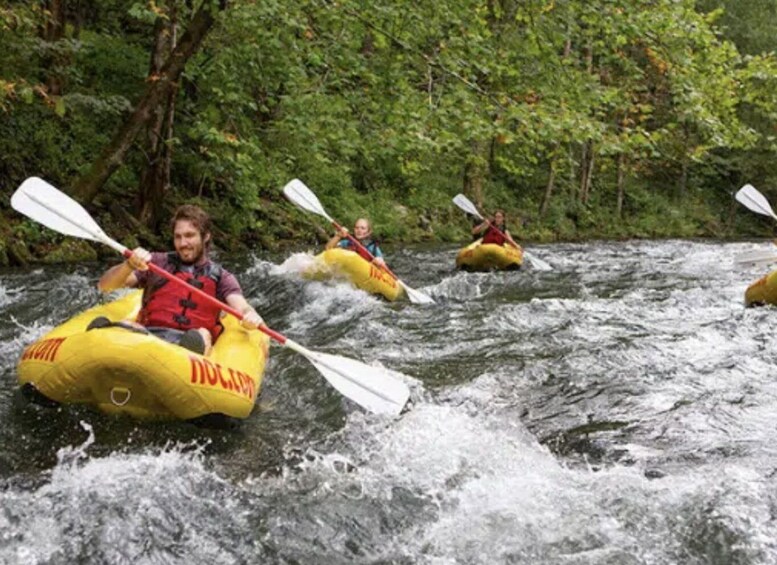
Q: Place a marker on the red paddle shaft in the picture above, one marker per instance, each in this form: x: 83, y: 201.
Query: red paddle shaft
x: 169, y: 276
x: 492, y: 226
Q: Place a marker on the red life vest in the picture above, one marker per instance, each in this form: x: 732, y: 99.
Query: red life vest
x: 369, y: 244
x: 170, y: 306
x: 494, y: 235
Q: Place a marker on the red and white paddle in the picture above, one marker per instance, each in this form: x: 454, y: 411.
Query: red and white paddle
x: 302, y: 196
x: 374, y: 388
x: 466, y: 204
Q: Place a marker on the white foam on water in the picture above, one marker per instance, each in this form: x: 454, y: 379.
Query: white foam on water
x: 459, y: 478
x: 460, y: 286
x: 261, y: 268
x: 330, y: 303
x: 496, y: 495
x: 295, y: 264
x: 11, y: 350
x: 160, y: 506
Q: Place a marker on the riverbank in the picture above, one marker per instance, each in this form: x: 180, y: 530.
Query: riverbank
x: 277, y: 225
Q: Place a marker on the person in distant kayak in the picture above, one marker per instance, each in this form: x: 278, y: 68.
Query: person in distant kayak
x: 168, y: 310
x: 494, y: 231
x: 362, y: 231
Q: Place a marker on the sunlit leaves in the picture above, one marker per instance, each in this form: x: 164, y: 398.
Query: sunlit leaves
x: 402, y: 97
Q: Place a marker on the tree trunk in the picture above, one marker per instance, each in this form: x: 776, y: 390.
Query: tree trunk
x: 52, y: 32
x: 473, y: 184
x: 548, y: 188
x: 155, y: 179
x: 686, y: 159
x: 583, y: 167
x: 587, y: 160
x: 586, y: 170
x: 733, y: 207
x: 112, y: 157
x: 621, y: 182
x: 572, y: 167
x: 590, y: 173
x: 77, y: 17
x: 588, y: 55
x: 475, y: 170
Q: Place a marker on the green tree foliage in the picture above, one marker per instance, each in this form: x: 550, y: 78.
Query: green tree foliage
x: 609, y: 115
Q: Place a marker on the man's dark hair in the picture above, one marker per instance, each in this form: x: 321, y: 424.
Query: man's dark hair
x: 198, y: 217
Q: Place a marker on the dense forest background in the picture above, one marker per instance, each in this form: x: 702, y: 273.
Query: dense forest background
x: 596, y: 118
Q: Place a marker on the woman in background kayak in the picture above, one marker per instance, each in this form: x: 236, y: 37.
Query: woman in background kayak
x: 362, y: 231
x: 494, y: 231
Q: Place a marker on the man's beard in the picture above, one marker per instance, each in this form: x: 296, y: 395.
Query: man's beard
x: 193, y: 261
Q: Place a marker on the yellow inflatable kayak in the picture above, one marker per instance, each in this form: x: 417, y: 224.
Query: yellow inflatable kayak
x: 351, y: 266
x: 489, y: 256
x: 122, y: 371
x: 763, y: 291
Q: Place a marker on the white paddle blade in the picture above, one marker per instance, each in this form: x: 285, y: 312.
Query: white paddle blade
x: 376, y: 389
x: 537, y: 263
x: 466, y: 204
x: 42, y: 202
x: 756, y: 257
x: 416, y: 296
x: 749, y: 196
x: 296, y: 191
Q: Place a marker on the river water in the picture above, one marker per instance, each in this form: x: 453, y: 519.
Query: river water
x: 620, y: 409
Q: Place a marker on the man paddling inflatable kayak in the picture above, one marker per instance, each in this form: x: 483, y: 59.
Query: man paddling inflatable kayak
x: 376, y: 389
x: 170, y: 311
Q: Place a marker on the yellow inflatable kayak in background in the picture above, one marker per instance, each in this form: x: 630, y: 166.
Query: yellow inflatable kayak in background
x: 120, y: 371
x: 489, y: 256
x: 763, y: 291
x: 342, y: 263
